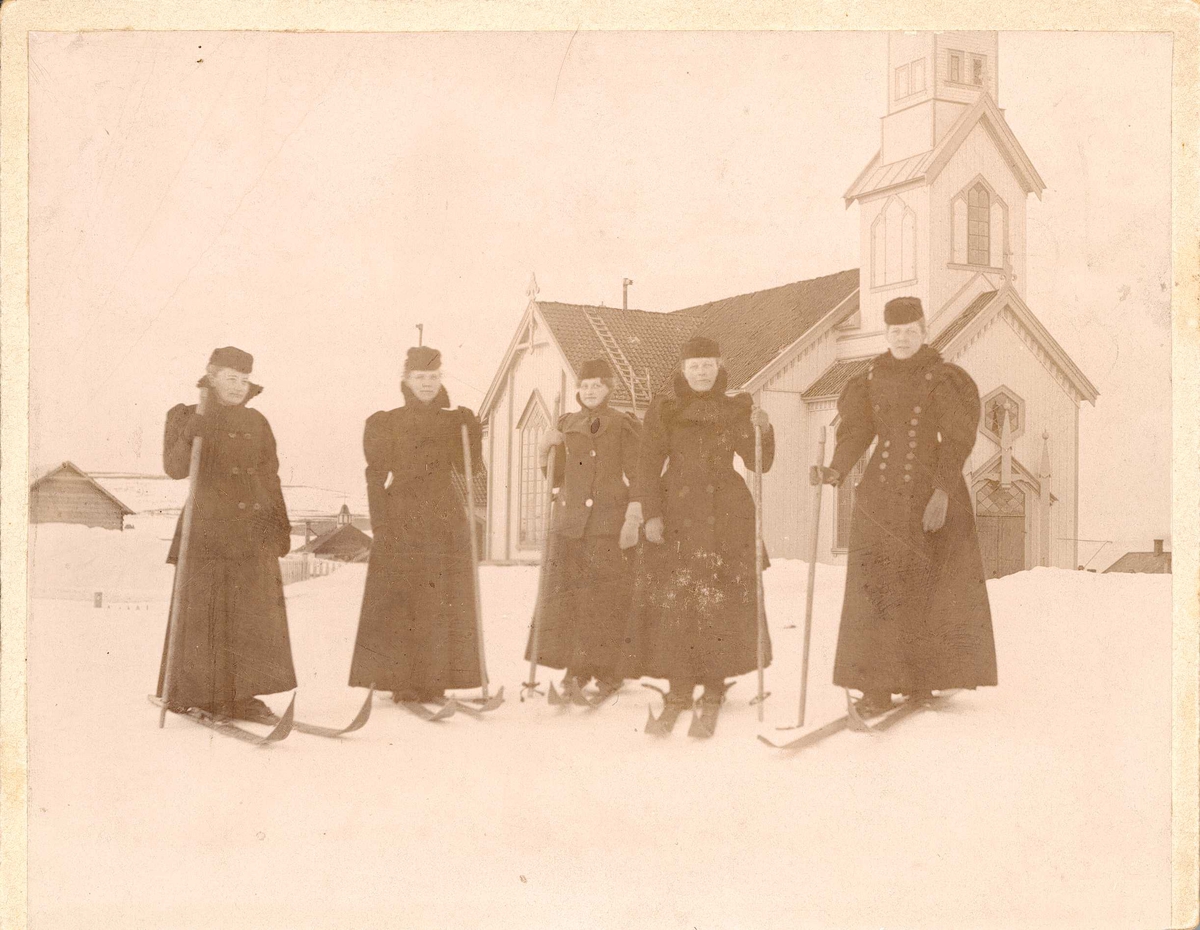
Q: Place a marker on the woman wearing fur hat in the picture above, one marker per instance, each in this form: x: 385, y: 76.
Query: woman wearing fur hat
x: 232, y: 643
x: 696, y: 612
x: 915, y: 617
x: 588, y: 576
x: 416, y: 634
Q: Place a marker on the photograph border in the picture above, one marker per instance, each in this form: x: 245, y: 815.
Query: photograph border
x: 18, y: 18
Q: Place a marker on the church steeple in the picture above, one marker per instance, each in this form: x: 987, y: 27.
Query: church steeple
x: 932, y: 79
x: 943, y: 202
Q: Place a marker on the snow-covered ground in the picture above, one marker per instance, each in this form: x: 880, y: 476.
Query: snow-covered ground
x: 1043, y: 802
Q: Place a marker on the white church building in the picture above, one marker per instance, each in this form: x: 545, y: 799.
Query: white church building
x: 942, y: 208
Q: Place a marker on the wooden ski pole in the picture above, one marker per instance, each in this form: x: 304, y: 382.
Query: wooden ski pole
x: 548, y: 503
x: 758, y: 566
x: 469, y: 474
x: 812, y: 578
x: 181, y: 579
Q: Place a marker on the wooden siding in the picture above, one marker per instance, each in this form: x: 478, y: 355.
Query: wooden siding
x: 69, y: 498
x: 543, y: 370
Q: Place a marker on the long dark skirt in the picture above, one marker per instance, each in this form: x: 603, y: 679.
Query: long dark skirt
x: 584, y: 606
x: 417, y: 626
x: 916, y: 613
x: 233, y: 637
x: 695, y: 615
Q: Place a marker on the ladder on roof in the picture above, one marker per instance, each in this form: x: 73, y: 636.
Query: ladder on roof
x: 639, y: 389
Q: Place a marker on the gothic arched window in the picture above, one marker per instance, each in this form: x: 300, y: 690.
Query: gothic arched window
x: 979, y: 227
x: 531, y: 484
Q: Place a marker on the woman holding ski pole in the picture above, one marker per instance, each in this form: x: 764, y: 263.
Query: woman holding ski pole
x: 695, y: 616
x: 587, y: 584
x: 227, y: 638
x: 417, y: 632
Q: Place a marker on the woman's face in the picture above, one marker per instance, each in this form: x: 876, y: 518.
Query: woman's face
x: 701, y: 373
x: 592, y: 391
x: 231, y: 386
x: 424, y: 384
x: 905, y: 338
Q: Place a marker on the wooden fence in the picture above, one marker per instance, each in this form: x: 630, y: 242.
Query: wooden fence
x: 295, y: 568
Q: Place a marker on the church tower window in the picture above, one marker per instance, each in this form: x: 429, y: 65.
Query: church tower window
x: 894, y: 245
x: 978, y: 225
x: 956, y: 67
x: 977, y: 69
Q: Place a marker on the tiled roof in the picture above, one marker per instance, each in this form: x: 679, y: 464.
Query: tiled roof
x: 960, y: 322
x: 650, y: 341
x: 1154, y: 563
x: 836, y: 377
x: 752, y: 329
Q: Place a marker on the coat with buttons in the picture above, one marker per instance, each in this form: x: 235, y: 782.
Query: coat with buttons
x: 915, y: 614
x: 601, y: 453
x: 233, y: 639
x: 239, y: 510
x: 695, y: 602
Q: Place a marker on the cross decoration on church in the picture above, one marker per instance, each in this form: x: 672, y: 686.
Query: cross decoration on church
x: 533, y: 289
x: 1006, y: 445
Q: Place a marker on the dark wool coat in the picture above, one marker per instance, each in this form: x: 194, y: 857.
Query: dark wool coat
x: 695, y: 614
x: 915, y: 614
x: 233, y: 642
x: 587, y: 579
x: 417, y: 628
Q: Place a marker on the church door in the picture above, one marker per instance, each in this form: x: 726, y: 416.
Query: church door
x: 1000, y: 518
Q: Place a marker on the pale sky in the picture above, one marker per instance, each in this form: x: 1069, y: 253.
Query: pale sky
x: 310, y: 198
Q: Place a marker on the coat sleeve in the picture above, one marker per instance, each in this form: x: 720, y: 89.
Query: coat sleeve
x: 466, y: 417
x: 375, y: 448
x: 558, y: 455
x: 631, y: 444
x: 177, y: 440
x: 957, y: 412
x: 268, y: 472
x: 744, y: 442
x: 856, y: 426
x: 653, y: 452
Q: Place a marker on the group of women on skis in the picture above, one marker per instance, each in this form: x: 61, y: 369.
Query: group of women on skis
x: 650, y: 568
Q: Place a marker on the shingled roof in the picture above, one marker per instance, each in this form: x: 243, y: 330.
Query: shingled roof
x: 960, y: 322
x: 752, y: 329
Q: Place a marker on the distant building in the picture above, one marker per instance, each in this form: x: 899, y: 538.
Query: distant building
x: 1154, y: 563
x: 343, y: 543
x: 67, y: 494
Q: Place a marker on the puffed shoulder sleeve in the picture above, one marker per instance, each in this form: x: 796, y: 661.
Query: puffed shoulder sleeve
x: 375, y: 448
x: 957, y: 412
x: 856, y: 425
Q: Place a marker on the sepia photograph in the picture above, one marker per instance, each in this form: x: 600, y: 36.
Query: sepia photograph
x: 621, y: 478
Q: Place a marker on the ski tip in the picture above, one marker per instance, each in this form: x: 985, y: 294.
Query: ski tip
x: 284, y: 726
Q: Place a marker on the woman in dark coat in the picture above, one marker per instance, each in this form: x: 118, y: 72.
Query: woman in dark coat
x: 588, y: 577
x: 915, y: 616
x: 233, y: 638
x: 416, y: 632
x: 696, y: 608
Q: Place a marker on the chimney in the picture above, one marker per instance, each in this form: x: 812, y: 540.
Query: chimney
x: 1158, y: 544
x: 625, y: 293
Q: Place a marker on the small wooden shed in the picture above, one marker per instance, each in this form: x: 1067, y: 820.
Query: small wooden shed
x: 67, y: 494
